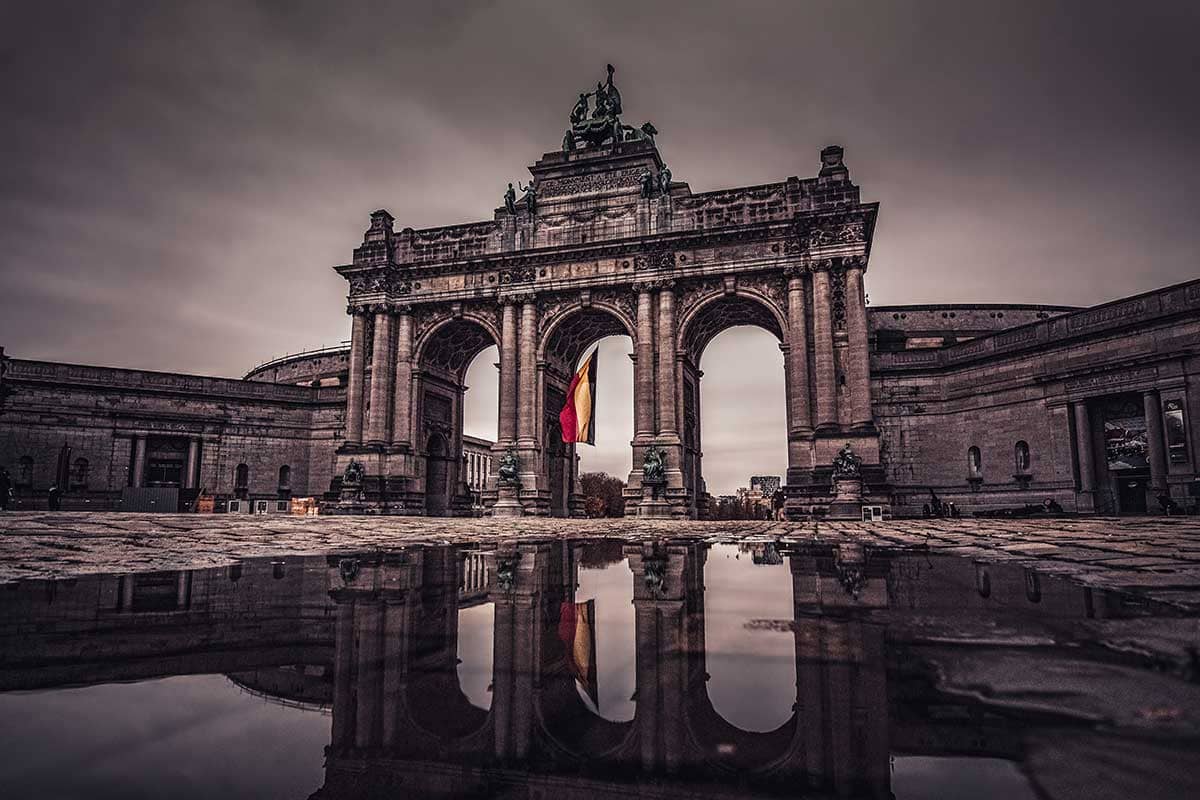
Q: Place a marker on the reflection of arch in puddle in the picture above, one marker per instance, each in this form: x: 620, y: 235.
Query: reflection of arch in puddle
x: 587, y: 706
x: 475, y: 653
x: 752, y: 683
x: 611, y: 587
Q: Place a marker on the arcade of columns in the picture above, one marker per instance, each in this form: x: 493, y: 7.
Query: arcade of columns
x: 421, y: 315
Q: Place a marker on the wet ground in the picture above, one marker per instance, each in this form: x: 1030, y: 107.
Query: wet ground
x: 909, y: 660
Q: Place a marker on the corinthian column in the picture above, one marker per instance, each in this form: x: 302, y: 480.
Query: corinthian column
x: 527, y: 392
x: 354, y: 383
x: 508, y: 375
x: 402, y: 418
x: 826, y: 379
x: 860, y: 356
x: 382, y: 363
x: 667, y: 424
x: 797, y: 356
x: 644, y: 364
x: 1154, y: 436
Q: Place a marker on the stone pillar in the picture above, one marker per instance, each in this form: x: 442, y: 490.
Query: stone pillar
x: 826, y: 380
x: 139, y: 460
x: 1154, y: 437
x: 1083, y: 450
x: 508, y: 375
x: 354, y: 385
x: 382, y: 363
x: 860, y: 356
x: 402, y: 416
x: 193, y: 462
x: 797, y: 358
x: 644, y: 365
x: 527, y: 391
x: 667, y: 424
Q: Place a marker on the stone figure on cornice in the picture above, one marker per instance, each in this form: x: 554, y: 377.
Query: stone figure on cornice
x: 529, y: 198
x: 510, y: 200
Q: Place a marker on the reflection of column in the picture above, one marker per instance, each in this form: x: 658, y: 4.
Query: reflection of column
x: 354, y: 385
x: 402, y: 418
x: 644, y: 364
x: 369, y: 674
x: 860, y: 358
x: 526, y: 402
x: 139, y: 460
x: 508, y: 375
x: 1083, y: 447
x: 379, y: 415
x: 193, y: 461
x: 343, y: 675
x: 667, y: 424
x: 826, y: 380
x: 1154, y: 436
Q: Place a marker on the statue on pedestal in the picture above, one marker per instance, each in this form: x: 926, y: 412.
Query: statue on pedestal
x: 353, y: 475
x: 654, y: 465
x: 846, y: 464
x: 529, y: 198
x: 510, y: 200
x: 510, y: 469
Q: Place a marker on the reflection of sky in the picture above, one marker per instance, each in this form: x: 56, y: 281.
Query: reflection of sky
x: 752, y: 681
x: 612, y: 588
x: 476, y: 632
x: 198, y: 735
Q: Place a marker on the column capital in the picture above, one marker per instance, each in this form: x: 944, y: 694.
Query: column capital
x: 796, y: 271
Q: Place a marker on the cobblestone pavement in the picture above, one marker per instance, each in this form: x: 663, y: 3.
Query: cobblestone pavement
x: 1158, y: 557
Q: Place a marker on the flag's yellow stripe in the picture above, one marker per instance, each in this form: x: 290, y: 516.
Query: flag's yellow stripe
x: 583, y: 405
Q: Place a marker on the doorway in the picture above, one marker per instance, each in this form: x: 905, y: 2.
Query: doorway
x: 437, y: 463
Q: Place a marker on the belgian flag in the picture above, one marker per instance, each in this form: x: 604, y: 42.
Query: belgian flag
x: 578, y: 416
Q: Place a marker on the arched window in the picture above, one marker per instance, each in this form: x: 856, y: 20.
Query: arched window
x: 79, y: 474
x: 285, y: 477
x: 974, y: 463
x: 241, y: 477
x: 25, y: 471
x: 1021, y: 456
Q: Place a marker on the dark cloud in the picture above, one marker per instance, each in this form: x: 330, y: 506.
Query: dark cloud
x: 177, y: 179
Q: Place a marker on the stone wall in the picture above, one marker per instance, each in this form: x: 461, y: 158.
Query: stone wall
x: 99, y: 413
x: 1018, y: 385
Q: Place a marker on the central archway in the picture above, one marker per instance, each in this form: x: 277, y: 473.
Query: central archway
x: 567, y: 338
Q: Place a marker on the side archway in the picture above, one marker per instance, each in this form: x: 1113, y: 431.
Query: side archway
x: 702, y: 322
x: 442, y: 356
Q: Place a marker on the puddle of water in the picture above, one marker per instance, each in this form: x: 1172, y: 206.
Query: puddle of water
x: 590, y: 668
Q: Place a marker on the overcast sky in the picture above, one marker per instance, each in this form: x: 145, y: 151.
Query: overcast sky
x: 176, y: 180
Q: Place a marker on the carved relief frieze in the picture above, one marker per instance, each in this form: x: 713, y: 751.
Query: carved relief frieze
x: 837, y: 298
x: 655, y: 259
x: 517, y: 275
x: 587, y: 184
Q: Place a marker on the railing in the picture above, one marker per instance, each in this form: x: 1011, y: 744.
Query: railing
x: 320, y: 351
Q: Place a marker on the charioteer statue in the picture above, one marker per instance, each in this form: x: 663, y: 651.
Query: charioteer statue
x: 599, y: 124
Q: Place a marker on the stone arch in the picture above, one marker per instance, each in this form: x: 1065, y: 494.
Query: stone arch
x: 719, y: 311
x: 453, y: 343
x: 441, y: 357
x: 702, y: 321
x: 571, y: 324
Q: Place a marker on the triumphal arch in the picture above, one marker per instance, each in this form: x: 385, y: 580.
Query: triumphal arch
x: 605, y: 241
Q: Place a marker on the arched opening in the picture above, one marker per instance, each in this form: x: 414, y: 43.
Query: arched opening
x: 752, y: 683
x: 1021, y: 457
x: 974, y: 463
x: 454, y: 430
x: 570, y: 339
x: 476, y: 629
x: 285, y: 482
x: 733, y: 343
x: 241, y: 480
x: 606, y: 580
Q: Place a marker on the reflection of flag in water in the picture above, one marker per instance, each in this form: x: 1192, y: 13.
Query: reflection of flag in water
x: 577, y: 630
